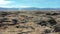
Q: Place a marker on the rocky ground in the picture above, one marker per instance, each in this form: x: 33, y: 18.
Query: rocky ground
x: 29, y: 22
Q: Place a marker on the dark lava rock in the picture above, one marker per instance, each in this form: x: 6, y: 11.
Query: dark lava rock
x: 1, y: 25
x: 57, y: 28
x: 17, y: 26
x: 52, y: 22
x: 14, y: 21
x: 47, y: 31
x: 43, y: 23
x: 4, y: 14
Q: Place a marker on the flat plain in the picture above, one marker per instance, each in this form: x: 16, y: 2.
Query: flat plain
x: 30, y: 22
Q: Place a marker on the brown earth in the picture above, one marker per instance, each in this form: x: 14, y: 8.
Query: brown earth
x: 29, y: 22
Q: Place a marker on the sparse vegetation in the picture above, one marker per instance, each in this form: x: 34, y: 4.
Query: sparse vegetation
x: 32, y: 22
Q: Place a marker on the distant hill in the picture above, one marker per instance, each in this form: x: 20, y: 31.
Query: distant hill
x: 29, y: 8
x: 34, y: 8
x: 9, y: 8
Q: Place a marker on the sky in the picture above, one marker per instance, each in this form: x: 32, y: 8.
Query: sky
x: 30, y: 3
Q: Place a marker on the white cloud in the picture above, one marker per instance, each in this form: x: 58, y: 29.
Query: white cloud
x: 6, y: 4
x: 13, y: 6
x: 3, y: 2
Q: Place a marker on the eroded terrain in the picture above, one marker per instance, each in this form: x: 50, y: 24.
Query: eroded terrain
x: 29, y: 22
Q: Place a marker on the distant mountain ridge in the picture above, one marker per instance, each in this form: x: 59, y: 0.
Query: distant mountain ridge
x: 34, y: 8
x: 29, y: 8
x: 9, y: 8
